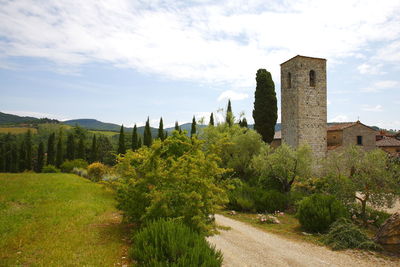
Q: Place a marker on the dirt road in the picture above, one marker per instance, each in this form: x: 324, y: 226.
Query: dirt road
x: 245, y: 245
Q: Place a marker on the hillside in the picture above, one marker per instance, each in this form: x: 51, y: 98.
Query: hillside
x: 13, y: 119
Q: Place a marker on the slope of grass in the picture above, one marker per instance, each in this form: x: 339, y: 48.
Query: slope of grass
x: 58, y: 220
x: 17, y: 130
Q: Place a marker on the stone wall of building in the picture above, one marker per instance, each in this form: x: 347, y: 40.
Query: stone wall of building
x: 368, y: 136
x: 335, y: 138
x: 303, y: 103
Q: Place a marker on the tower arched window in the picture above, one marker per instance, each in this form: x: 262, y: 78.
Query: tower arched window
x: 312, y: 78
x: 289, y: 80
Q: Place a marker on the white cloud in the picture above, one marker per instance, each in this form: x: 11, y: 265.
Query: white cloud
x: 232, y: 96
x: 208, y: 42
x: 377, y: 108
x: 380, y: 86
x: 389, y: 125
x: 340, y: 118
x: 370, y: 69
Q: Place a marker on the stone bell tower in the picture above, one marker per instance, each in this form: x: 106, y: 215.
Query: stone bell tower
x: 303, y: 103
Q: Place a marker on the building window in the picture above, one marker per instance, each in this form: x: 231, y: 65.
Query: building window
x: 312, y: 78
x: 289, y: 81
x: 359, y: 140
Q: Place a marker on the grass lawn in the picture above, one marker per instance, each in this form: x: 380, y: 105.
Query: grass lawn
x: 59, y: 220
x: 17, y: 130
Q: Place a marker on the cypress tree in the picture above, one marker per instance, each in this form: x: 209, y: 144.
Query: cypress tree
x: 265, y: 111
x: 28, y: 149
x: 147, y: 139
x: 243, y: 123
x: 177, y: 128
x: 211, y: 119
x: 14, y: 158
x: 40, y: 158
x: 193, y: 129
x: 50, y: 149
x: 93, y: 151
x: 81, y: 153
x: 161, y: 130
x: 121, y: 142
x: 165, y: 135
x: 59, y: 151
x: 70, y: 147
x: 135, y: 140
x: 2, y: 157
x: 139, y: 142
x: 22, y: 157
x: 229, y: 115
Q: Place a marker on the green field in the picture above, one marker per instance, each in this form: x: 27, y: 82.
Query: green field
x: 106, y: 133
x: 59, y: 220
x: 17, y: 130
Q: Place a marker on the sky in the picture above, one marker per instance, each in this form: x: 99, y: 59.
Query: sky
x: 122, y: 61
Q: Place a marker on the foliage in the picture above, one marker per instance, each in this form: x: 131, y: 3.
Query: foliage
x: 363, y: 175
x: 121, y: 141
x: 40, y: 158
x: 229, y: 119
x: 50, y: 169
x: 28, y: 150
x: 317, y: 212
x: 343, y: 234
x: 171, y: 243
x: 51, y: 160
x: 96, y: 171
x: 243, y: 123
x: 60, y: 150
x: 273, y: 201
x: 282, y: 166
x: 80, y: 172
x: 374, y: 217
x: 161, y: 130
x: 265, y: 111
x: 135, y: 144
x: 177, y: 127
x: 147, y: 138
x: 193, y: 127
x: 211, y: 123
x: 70, y: 153
x: 69, y: 165
x: 171, y: 179
x: 94, y: 150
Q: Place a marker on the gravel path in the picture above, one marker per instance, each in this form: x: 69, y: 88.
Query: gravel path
x: 244, y: 245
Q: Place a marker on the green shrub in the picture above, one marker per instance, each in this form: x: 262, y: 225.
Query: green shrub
x: 245, y: 198
x: 344, y: 234
x: 317, y: 212
x: 69, y: 165
x: 273, y: 201
x: 80, y: 172
x: 171, y: 243
x: 50, y: 169
x: 374, y: 217
x: 96, y: 171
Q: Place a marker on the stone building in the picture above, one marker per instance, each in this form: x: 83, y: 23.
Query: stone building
x: 353, y: 133
x: 303, y: 103
x: 389, y: 144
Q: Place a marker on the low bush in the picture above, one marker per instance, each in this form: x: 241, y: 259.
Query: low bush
x: 317, y: 212
x: 273, y: 201
x: 374, y: 217
x: 343, y: 234
x: 80, y: 172
x: 69, y: 165
x: 96, y: 171
x: 171, y: 243
x: 50, y: 169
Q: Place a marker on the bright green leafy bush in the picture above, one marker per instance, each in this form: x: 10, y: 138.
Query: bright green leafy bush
x: 343, y: 234
x: 274, y: 201
x: 50, y: 169
x: 69, y: 165
x: 172, y: 243
x: 317, y: 212
x: 96, y: 171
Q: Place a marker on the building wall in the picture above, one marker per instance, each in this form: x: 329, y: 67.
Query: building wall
x: 304, y: 107
x: 334, y: 138
x: 368, y: 135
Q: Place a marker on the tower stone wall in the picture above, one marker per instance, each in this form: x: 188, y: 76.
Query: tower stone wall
x: 304, y: 104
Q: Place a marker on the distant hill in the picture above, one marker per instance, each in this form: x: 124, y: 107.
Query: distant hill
x: 93, y: 124
x: 11, y: 119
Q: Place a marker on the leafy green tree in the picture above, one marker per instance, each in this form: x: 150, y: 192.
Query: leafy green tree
x: 50, y: 149
x: 28, y: 150
x: 282, y: 166
x: 70, y: 147
x: 161, y: 130
x: 211, y: 119
x: 147, y: 138
x: 229, y: 114
x: 81, y: 151
x: 177, y: 128
x: 193, y: 129
x: 121, y: 141
x: 265, y: 111
x: 105, y: 150
x: 40, y: 158
x: 135, y: 140
x: 60, y: 150
x: 94, y: 150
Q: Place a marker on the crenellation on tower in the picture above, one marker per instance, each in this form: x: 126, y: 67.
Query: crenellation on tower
x: 304, y: 104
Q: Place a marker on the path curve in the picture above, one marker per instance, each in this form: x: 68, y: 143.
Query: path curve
x: 245, y: 245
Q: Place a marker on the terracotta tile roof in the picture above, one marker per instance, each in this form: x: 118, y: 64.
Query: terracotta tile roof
x: 388, y: 142
x: 333, y: 147
x: 278, y: 135
x: 341, y: 126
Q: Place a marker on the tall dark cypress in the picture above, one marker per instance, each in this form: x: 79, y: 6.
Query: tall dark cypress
x: 134, y: 139
x: 50, y: 149
x: 243, y: 123
x: 60, y: 150
x: 70, y: 147
x: 165, y: 135
x: 40, y: 158
x: 265, y: 111
x: 14, y: 158
x: 28, y: 150
x: 81, y: 151
x: 211, y: 119
x: 147, y: 138
x: 229, y: 115
x: 139, y: 142
x: 2, y: 157
x: 161, y: 130
x: 177, y: 128
x: 93, y: 151
x: 121, y: 142
x: 193, y: 128
x: 22, y: 157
